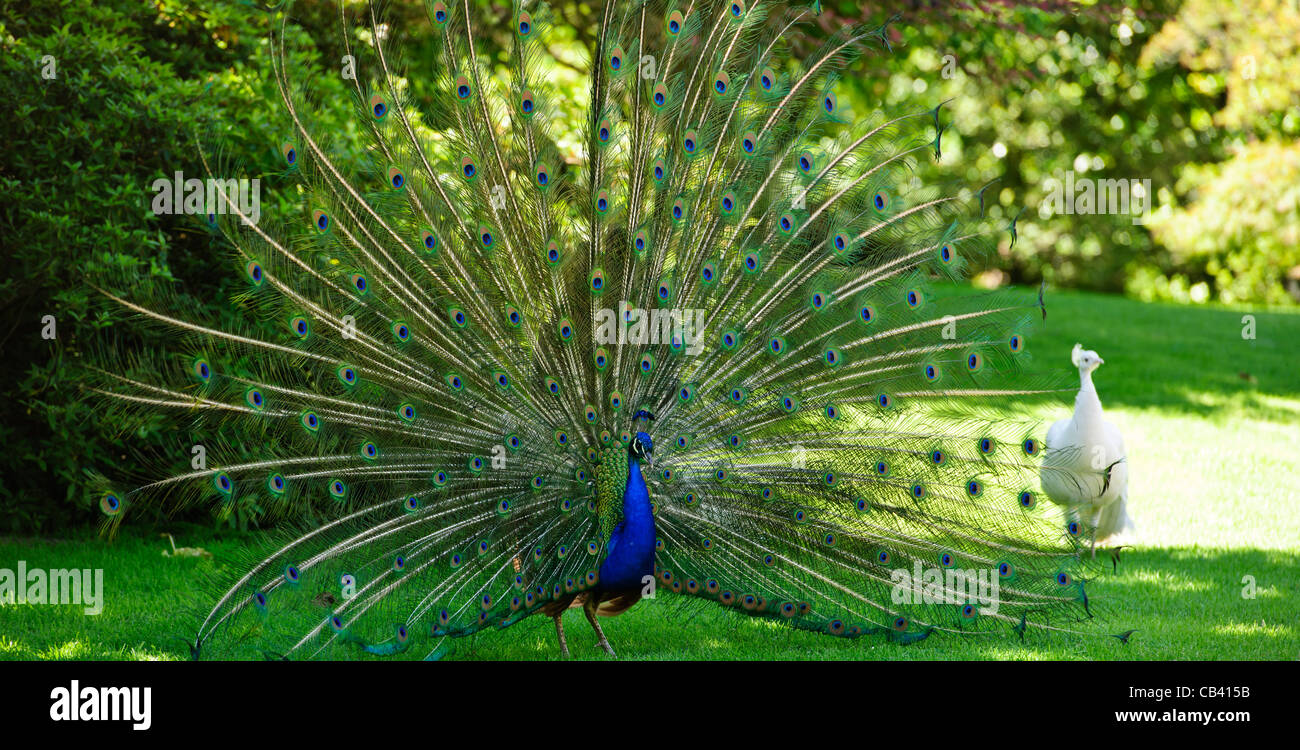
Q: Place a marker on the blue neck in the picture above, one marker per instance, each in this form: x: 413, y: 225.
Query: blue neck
x: 636, y: 500
x: 631, y: 547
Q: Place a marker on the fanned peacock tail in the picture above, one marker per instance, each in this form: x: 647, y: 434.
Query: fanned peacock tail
x: 728, y: 291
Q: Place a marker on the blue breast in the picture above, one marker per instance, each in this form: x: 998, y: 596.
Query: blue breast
x: 630, y: 552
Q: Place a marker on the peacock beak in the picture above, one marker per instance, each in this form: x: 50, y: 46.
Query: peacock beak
x: 1101, y: 361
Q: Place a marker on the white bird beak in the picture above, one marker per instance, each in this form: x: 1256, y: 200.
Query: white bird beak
x: 1101, y: 361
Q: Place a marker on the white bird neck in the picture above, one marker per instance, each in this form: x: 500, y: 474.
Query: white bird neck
x: 1087, y: 406
x: 1085, y: 381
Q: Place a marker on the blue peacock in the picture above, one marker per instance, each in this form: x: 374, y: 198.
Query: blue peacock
x: 694, y: 354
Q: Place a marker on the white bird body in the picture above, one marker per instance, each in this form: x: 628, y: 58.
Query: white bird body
x: 1085, y: 465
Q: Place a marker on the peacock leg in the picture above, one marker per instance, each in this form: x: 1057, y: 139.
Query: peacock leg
x: 559, y: 632
x: 589, y: 608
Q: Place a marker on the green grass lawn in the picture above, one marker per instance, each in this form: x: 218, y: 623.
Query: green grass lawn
x: 1212, y: 426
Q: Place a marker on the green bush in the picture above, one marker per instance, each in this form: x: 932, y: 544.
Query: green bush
x: 104, y: 98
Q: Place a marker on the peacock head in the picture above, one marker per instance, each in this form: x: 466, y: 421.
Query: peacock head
x: 642, y: 448
x: 1085, y: 359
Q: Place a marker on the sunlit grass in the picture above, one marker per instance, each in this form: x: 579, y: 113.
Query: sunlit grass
x: 1214, y: 461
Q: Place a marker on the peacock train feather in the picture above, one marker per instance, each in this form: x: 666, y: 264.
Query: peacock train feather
x: 696, y: 355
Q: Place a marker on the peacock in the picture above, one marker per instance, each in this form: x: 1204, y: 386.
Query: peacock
x: 1085, y: 465
x: 698, y: 351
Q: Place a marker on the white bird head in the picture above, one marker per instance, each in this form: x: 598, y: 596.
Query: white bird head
x: 1085, y: 359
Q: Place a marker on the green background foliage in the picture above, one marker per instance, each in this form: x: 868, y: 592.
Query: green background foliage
x: 1201, y: 100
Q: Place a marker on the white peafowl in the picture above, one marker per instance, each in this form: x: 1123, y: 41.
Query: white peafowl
x: 1085, y: 466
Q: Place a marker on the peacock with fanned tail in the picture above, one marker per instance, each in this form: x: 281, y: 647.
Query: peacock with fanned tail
x: 694, y: 354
